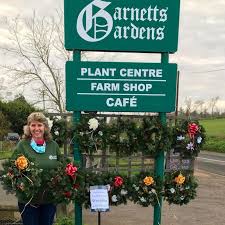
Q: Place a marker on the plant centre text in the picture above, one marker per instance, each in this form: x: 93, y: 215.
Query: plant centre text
x: 123, y: 83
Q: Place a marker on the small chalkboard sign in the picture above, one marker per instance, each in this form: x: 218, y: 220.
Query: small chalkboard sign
x: 175, y: 162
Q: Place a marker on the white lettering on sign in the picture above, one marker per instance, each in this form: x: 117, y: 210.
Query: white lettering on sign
x: 135, y: 14
x: 121, y: 102
x: 87, y: 21
x: 152, y: 17
x: 140, y: 72
x: 134, y: 32
x: 95, y: 72
x: 137, y: 87
x: 105, y: 86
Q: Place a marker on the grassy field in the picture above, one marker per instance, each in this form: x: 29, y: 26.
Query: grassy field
x: 215, y: 132
x: 214, y: 127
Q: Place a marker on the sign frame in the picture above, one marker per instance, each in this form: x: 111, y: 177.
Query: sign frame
x: 146, y: 94
x: 98, y: 25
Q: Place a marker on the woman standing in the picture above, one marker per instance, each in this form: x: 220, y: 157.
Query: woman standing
x: 38, y: 145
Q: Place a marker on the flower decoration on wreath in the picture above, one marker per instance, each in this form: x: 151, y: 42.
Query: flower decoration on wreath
x: 188, y: 138
x: 89, y: 134
x: 145, y: 189
x: 116, y: 185
x: 22, y: 177
x: 179, y: 188
x: 63, y: 182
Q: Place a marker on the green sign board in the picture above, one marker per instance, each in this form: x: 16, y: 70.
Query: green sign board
x: 120, y: 87
x: 122, y: 25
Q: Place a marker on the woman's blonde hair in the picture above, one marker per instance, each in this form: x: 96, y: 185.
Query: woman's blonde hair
x: 39, y: 117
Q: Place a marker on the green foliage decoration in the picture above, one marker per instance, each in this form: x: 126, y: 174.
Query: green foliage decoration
x: 61, y: 130
x: 188, y: 138
x: 62, y: 182
x: 124, y: 137
x: 154, y: 136
x: 116, y: 183
x: 180, y: 187
x: 145, y: 189
x: 89, y: 139
x: 25, y: 183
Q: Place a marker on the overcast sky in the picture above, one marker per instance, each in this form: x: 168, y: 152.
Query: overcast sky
x: 201, y: 52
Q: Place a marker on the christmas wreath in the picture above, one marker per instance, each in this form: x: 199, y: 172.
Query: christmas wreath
x: 179, y: 188
x: 89, y: 134
x: 22, y: 177
x: 153, y: 136
x: 124, y: 136
x: 145, y: 189
x: 116, y: 186
x: 188, y: 138
x: 63, y: 182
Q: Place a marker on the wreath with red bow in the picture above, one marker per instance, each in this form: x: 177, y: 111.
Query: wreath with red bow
x: 188, y: 138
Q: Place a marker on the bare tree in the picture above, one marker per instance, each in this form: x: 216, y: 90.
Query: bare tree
x: 36, y: 48
x: 188, y: 105
x: 199, y: 105
x: 212, y: 104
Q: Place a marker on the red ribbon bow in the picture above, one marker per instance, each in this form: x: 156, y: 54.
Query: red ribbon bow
x: 71, y: 170
x: 118, y: 181
x: 192, y: 129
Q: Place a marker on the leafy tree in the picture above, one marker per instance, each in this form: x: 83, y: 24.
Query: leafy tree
x: 16, y: 112
x: 4, y: 126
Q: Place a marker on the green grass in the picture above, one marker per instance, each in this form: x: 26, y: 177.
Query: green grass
x: 215, y: 134
x: 65, y: 221
x: 214, y: 127
x: 5, y: 154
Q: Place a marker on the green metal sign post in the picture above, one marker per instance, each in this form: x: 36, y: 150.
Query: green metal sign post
x: 115, y: 25
x: 159, y: 161
x: 77, y: 154
x: 120, y: 87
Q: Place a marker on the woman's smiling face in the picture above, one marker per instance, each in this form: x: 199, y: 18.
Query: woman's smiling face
x: 37, y: 130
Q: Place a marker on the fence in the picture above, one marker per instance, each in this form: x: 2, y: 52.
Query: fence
x: 122, y: 164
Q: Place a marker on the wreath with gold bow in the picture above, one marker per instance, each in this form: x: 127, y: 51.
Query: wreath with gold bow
x: 179, y: 187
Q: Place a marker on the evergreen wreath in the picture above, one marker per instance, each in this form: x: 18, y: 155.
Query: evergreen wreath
x: 63, y: 181
x: 179, y: 188
x: 21, y: 177
x: 188, y: 138
x: 124, y: 136
x: 153, y: 136
x: 145, y: 189
x: 91, y: 134
x: 116, y: 185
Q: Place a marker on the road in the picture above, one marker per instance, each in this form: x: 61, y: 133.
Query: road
x: 211, y: 162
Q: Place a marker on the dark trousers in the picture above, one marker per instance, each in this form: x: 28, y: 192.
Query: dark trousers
x: 37, y: 214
